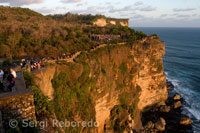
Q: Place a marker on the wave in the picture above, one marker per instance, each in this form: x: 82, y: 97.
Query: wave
x: 190, y: 97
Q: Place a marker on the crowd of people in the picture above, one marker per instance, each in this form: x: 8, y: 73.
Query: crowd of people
x: 7, y: 79
x: 31, y: 65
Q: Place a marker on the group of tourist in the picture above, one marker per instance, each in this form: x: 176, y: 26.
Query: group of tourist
x: 9, y: 78
x: 31, y: 64
x: 35, y: 65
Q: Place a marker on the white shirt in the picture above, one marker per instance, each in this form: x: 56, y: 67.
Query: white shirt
x: 14, y: 74
x: 1, y: 74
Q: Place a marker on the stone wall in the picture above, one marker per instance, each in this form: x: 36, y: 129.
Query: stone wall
x: 17, y: 107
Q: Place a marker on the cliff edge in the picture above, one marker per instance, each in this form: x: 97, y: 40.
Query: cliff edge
x: 113, y: 84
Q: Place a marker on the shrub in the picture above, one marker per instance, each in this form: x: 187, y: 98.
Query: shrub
x: 124, y: 98
x: 28, y: 79
x: 6, y: 63
x: 43, y: 106
x: 155, y: 36
x: 159, y: 67
x: 123, y: 67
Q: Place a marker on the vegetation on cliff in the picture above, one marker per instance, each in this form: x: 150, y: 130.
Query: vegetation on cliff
x: 72, y: 100
x: 43, y: 107
x: 25, y: 33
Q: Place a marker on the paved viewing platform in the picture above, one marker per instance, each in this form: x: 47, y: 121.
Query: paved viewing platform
x: 18, y: 89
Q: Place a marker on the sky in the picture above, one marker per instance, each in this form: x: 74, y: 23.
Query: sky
x: 142, y: 13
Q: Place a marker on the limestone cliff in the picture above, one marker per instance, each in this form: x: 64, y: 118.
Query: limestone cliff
x: 127, y: 75
x: 102, y: 22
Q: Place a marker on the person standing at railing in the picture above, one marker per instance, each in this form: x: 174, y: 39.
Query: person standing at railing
x: 11, y: 79
x: 1, y: 74
x: 13, y: 73
x: 1, y: 79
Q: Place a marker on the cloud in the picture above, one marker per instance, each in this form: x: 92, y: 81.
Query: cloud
x: 183, y: 16
x: 44, y: 10
x: 136, y: 17
x: 163, y: 15
x: 183, y: 10
x: 81, y: 4
x: 132, y: 8
x: 70, y: 1
x: 139, y: 3
x: 126, y: 8
x: 90, y: 10
x: 21, y: 2
x: 148, y: 8
x: 194, y: 15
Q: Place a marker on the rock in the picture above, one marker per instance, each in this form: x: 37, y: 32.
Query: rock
x: 185, y: 121
x: 165, y: 108
x: 177, y: 97
x: 169, y: 85
x: 150, y: 125
x: 160, y: 124
x: 177, y: 104
x: 129, y: 118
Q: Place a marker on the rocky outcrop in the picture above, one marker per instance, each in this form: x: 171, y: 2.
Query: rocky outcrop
x: 176, y: 97
x: 171, y: 117
x: 165, y: 108
x: 123, y: 23
x: 113, y: 22
x: 177, y: 104
x: 185, y: 121
x: 160, y: 124
x: 100, y: 22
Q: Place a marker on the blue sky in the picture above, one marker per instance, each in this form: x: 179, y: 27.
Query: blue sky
x: 142, y: 13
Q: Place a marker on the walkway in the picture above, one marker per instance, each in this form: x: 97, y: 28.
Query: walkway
x: 20, y: 87
x: 73, y: 56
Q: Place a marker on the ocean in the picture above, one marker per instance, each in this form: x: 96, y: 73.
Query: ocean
x: 182, y: 65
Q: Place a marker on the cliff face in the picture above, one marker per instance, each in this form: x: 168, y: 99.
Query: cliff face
x: 127, y: 75
x: 151, y: 77
x: 102, y: 22
x: 43, y: 80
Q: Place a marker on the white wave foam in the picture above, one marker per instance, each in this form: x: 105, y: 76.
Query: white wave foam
x: 194, y: 112
x: 188, y: 95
